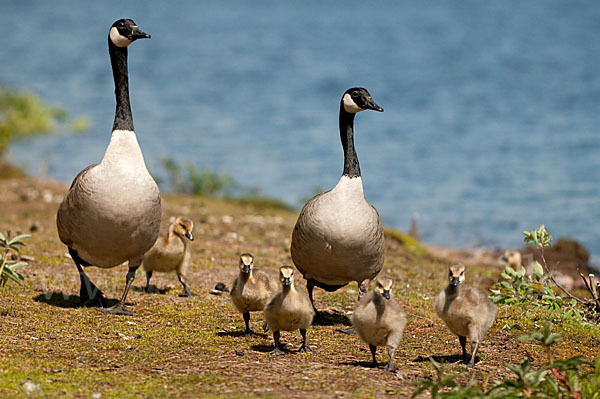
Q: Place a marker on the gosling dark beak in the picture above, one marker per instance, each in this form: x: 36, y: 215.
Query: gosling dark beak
x: 370, y: 104
x: 386, y: 294
x: 287, y: 281
x: 455, y: 281
x: 246, y: 269
x: 189, y: 235
x: 504, y: 259
x: 138, y: 34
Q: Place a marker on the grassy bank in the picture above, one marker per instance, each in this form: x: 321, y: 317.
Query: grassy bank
x: 184, y: 347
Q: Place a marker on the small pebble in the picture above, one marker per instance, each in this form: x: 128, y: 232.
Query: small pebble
x: 96, y: 395
x: 80, y: 359
x: 239, y: 352
x: 30, y: 387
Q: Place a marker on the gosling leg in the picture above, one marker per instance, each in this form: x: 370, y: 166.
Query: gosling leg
x: 474, y: 347
x: 463, y: 345
x: 391, y: 352
x: 187, y: 292
x: 279, y: 349
x: 373, y: 354
x: 148, y: 277
x: 304, y: 348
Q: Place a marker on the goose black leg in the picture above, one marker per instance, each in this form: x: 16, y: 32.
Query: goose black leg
x: 304, y: 347
x: 120, y: 308
x: 310, y: 286
x: 187, y: 292
x: 373, y: 352
x: 89, y: 294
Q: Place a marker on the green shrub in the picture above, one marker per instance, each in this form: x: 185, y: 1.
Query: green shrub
x: 24, y: 114
x: 563, y: 378
x: 8, y: 267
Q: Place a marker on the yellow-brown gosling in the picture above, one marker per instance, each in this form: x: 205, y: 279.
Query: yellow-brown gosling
x: 467, y: 311
x: 171, y: 253
x: 289, y: 310
x: 379, y: 320
x: 252, y: 289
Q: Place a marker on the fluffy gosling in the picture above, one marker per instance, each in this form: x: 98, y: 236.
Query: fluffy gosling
x: 252, y: 289
x: 467, y: 311
x: 289, y: 310
x: 171, y: 253
x: 379, y: 320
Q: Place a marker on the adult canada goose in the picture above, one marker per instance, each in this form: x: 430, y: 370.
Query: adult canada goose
x: 289, y: 310
x: 111, y: 213
x: 338, y: 237
x: 171, y: 253
x: 252, y: 289
x: 379, y: 320
x: 467, y: 311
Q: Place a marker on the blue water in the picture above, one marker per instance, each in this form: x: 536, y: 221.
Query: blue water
x: 492, y: 109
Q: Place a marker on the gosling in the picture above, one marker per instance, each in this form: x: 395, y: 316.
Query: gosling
x: 512, y: 259
x: 171, y: 253
x: 252, y: 289
x: 289, y: 310
x: 467, y: 311
x: 379, y: 320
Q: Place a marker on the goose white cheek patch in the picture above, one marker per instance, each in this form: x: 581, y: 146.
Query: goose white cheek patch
x: 118, y: 39
x: 350, y: 105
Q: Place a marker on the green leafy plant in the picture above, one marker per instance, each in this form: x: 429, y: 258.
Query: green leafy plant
x: 24, y: 114
x: 537, y: 290
x: 9, y: 267
x: 563, y: 378
x: 188, y: 179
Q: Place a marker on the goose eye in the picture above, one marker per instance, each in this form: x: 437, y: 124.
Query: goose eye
x: 354, y: 93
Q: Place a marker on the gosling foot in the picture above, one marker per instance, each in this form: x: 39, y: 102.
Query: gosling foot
x: 119, y: 309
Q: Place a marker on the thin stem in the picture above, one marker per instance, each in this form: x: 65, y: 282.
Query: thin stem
x: 563, y: 289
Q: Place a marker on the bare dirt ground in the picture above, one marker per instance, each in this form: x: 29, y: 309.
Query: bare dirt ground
x: 192, y: 347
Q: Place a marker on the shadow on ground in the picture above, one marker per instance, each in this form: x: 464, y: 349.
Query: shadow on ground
x: 325, y: 318
x: 66, y: 301
x: 443, y: 359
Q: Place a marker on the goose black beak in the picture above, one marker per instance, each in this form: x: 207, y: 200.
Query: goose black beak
x: 189, y: 235
x: 386, y: 294
x: 246, y: 269
x: 370, y: 104
x: 139, y: 34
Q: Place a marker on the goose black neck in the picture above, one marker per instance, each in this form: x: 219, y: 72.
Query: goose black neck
x: 118, y: 60
x: 351, y: 166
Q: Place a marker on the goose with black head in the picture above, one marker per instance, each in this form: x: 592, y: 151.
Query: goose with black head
x: 111, y: 213
x: 338, y: 237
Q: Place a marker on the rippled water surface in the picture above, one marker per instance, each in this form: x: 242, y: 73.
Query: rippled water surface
x: 492, y: 110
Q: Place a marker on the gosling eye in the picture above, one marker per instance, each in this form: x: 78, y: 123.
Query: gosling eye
x: 462, y: 273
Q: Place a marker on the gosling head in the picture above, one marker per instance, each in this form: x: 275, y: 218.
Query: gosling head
x: 246, y: 263
x: 512, y: 258
x: 124, y: 32
x: 286, y: 275
x: 383, y: 287
x: 456, y: 274
x: 357, y: 99
x: 183, y: 227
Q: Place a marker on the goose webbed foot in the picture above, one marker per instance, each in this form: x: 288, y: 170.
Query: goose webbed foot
x: 119, y: 309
